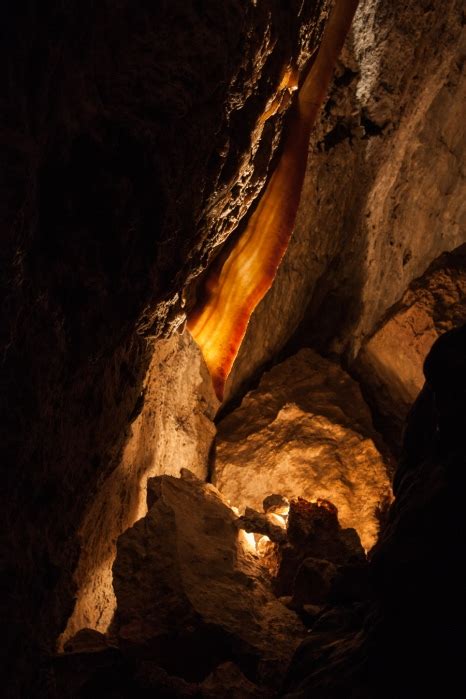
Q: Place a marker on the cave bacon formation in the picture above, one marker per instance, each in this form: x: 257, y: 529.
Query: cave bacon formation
x: 237, y: 281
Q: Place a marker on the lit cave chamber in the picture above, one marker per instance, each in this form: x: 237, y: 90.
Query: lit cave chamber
x: 233, y: 349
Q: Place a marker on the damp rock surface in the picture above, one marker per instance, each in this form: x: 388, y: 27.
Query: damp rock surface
x: 305, y: 432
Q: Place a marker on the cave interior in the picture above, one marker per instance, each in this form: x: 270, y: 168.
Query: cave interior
x: 233, y: 349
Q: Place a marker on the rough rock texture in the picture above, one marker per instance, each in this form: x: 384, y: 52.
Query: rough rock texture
x: 409, y: 643
x: 385, y: 189
x: 113, y: 674
x: 389, y: 365
x: 189, y: 584
x: 192, y: 595
x: 130, y: 148
x: 174, y: 430
x: 319, y: 557
x: 306, y: 432
x: 228, y: 681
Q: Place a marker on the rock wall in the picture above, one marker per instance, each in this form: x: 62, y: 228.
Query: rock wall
x: 174, y: 430
x: 390, y: 363
x: 305, y: 432
x: 408, y: 641
x: 130, y: 148
x: 385, y: 188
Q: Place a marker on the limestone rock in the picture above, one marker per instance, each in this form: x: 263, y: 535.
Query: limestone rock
x: 417, y: 650
x: 132, y: 145
x: 259, y: 523
x: 385, y: 186
x: 188, y: 580
x: 314, y: 582
x: 314, y: 530
x: 315, y: 535
x: 318, y: 581
x: 227, y: 681
x: 276, y: 503
x: 173, y: 431
x: 305, y: 432
x: 86, y: 640
x: 390, y: 362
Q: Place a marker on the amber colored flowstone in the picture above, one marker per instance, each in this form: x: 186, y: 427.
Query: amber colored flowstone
x: 237, y: 283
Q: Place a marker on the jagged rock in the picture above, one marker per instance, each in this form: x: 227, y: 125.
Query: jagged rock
x: 398, y: 637
x: 314, y: 582
x: 311, y: 612
x: 112, y: 673
x: 190, y: 584
x: 306, y: 432
x: 173, y: 430
x: 315, y: 533
x: 227, y: 681
x: 318, y: 581
x: 390, y: 362
x: 385, y: 187
x: 259, y: 523
x: 314, y: 529
x: 132, y: 145
x: 149, y: 676
x: 86, y: 640
x: 276, y: 503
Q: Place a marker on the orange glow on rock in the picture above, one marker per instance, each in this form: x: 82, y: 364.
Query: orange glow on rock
x: 238, y: 281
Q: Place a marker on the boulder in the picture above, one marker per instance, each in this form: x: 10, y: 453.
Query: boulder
x: 318, y: 549
x: 228, y: 681
x: 305, y: 432
x: 264, y: 524
x: 314, y: 582
x: 190, y: 585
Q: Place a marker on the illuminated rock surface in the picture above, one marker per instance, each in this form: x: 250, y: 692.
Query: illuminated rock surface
x: 385, y: 188
x: 128, y: 154
x: 173, y: 430
x: 390, y: 362
x: 241, y: 276
x: 305, y: 432
x: 187, y: 580
x: 198, y: 613
x: 394, y: 647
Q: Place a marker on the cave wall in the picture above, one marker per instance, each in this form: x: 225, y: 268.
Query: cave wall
x: 389, y: 365
x: 174, y: 430
x: 385, y: 190
x: 408, y: 641
x: 131, y: 145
